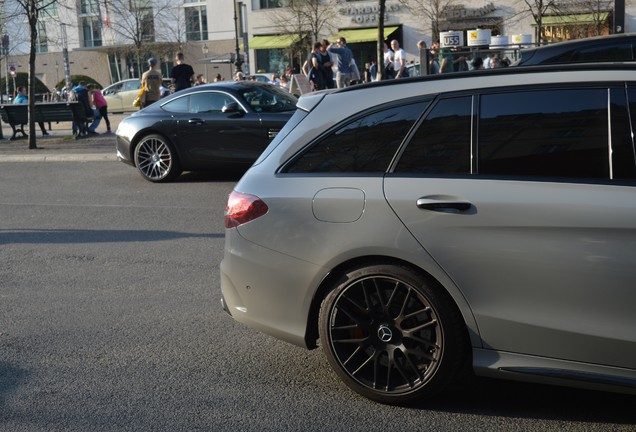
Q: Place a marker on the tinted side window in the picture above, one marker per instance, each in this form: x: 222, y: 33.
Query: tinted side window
x: 604, y: 52
x: 441, y: 144
x: 550, y: 133
x: 366, y: 144
x: 269, y: 100
x: 623, y: 158
x: 614, y: 52
x: 208, y: 102
x: 178, y: 105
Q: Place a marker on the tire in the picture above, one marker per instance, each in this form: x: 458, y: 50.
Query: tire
x: 156, y: 159
x: 391, y: 335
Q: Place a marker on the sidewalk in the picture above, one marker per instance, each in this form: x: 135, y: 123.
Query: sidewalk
x: 60, y: 145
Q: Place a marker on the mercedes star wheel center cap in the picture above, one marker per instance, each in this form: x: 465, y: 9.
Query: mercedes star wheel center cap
x: 385, y: 334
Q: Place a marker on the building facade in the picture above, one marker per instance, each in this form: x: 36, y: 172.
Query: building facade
x: 110, y: 40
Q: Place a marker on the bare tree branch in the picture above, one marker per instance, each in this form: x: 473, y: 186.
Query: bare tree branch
x: 32, y: 9
x: 431, y: 10
x: 306, y: 18
x: 135, y: 22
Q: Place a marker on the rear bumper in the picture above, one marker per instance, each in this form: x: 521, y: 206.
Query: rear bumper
x: 255, y: 292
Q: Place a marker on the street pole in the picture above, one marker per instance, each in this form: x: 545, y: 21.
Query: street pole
x: 206, y: 50
x: 5, y: 47
x: 67, y: 66
x: 238, y: 61
x: 243, y: 9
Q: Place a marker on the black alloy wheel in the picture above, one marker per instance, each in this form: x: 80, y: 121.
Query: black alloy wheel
x: 391, y: 335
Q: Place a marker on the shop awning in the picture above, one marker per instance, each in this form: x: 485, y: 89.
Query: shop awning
x: 365, y: 35
x: 577, y: 19
x: 274, y: 41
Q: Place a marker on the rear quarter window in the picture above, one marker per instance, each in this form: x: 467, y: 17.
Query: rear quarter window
x: 442, y: 142
x: 366, y: 144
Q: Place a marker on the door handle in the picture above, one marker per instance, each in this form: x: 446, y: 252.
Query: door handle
x: 442, y: 205
x: 196, y: 121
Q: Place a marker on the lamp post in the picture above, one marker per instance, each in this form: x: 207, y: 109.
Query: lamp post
x: 5, y: 48
x: 206, y: 50
x: 67, y: 64
x: 238, y: 61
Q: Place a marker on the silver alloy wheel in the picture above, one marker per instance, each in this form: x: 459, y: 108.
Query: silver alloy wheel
x: 392, y: 335
x: 155, y: 159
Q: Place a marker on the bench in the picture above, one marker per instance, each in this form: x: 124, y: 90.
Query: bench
x: 47, y: 112
x: 16, y: 116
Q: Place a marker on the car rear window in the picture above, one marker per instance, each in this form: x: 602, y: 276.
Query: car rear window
x: 366, y: 144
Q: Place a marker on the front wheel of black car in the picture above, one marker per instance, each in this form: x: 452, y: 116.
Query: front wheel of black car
x: 156, y: 160
x: 391, y: 335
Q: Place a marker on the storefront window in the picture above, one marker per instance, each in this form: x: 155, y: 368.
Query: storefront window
x: 555, y: 28
x: 570, y: 32
x: 272, y: 60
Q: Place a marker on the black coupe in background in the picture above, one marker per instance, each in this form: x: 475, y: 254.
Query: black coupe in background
x: 226, y: 124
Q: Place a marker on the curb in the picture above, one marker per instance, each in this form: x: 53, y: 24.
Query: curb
x: 68, y: 157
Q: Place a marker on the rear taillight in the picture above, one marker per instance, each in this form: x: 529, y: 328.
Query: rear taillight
x: 242, y: 208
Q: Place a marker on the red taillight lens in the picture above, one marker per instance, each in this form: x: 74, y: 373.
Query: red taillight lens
x: 242, y: 208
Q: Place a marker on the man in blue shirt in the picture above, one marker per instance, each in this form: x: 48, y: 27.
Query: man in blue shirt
x: 343, y: 76
x: 22, y: 98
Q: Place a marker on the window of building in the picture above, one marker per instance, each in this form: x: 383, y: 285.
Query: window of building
x: 143, y: 11
x: 148, y: 27
x: 268, y: 60
x: 568, y: 27
x: 41, y: 44
x: 442, y: 142
x: 272, y: 4
x: 196, y: 20
x: 367, y: 144
x: 549, y: 133
x: 50, y: 10
x: 91, y: 32
x: 89, y: 7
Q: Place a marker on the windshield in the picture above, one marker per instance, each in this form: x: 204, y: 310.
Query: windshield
x: 268, y: 99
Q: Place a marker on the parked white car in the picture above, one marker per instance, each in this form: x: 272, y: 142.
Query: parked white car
x: 120, y: 96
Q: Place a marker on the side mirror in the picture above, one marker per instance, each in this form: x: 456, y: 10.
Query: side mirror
x: 232, y: 107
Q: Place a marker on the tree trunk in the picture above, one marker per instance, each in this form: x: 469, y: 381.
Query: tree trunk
x: 33, y: 24
x: 380, y: 61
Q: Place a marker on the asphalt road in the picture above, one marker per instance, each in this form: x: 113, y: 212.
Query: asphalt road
x: 110, y: 321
